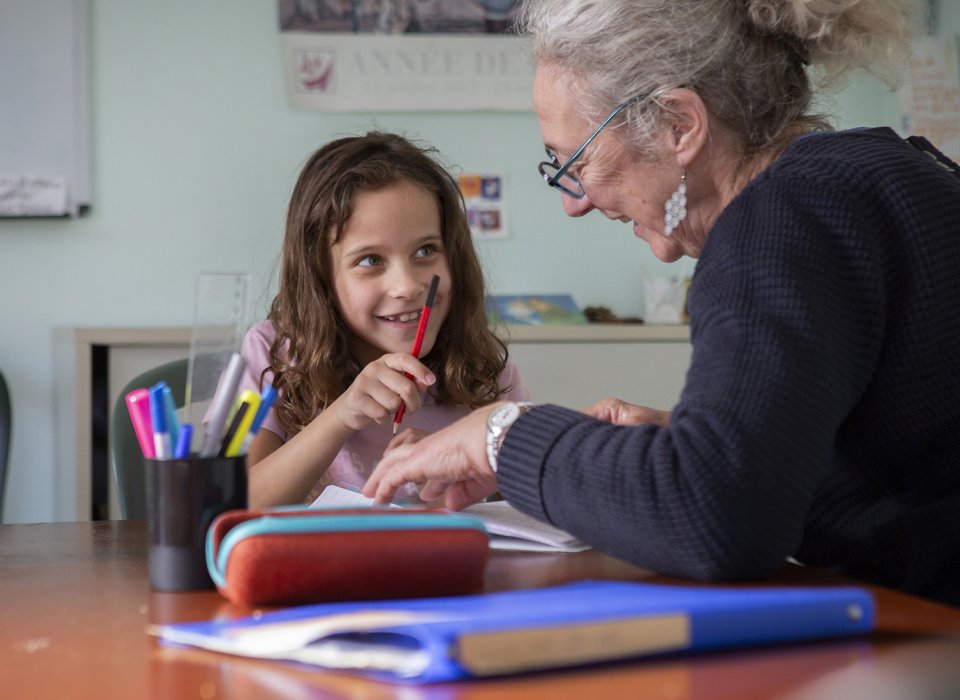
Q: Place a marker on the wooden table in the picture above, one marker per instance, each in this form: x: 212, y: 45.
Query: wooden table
x: 74, y: 602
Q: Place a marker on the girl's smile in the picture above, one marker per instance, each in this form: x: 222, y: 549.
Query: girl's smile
x: 404, y: 319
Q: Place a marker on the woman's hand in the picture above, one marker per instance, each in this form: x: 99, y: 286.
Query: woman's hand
x: 622, y: 413
x: 451, y: 462
x: 377, y: 392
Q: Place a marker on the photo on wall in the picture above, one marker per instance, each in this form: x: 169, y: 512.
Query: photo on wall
x: 483, y: 196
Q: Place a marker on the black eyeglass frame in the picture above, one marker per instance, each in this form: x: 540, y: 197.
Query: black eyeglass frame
x: 554, y: 180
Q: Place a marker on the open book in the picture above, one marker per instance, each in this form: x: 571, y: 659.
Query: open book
x: 440, y: 639
x: 508, y: 527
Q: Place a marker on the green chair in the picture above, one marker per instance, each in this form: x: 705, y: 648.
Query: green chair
x: 128, y: 461
x: 6, y: 428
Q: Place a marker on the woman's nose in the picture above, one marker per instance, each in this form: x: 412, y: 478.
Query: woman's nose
x: 576, y: 207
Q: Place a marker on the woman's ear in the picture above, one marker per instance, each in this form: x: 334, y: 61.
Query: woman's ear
x: 687, y: 123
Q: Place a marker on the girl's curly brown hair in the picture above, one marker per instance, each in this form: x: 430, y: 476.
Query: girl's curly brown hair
x: 309, y: 358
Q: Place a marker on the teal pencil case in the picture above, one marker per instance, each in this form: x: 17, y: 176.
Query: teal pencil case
x: 294, y: 557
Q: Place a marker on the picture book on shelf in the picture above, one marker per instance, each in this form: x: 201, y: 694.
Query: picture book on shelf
x: 534, y: 309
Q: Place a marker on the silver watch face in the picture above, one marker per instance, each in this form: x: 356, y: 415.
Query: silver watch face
x: 504, y: 416
x: 497, y: 422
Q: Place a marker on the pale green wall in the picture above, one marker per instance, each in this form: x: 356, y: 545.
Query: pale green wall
x: 194, y: 153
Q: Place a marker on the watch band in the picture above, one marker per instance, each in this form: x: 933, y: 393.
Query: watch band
x: 498, y: 422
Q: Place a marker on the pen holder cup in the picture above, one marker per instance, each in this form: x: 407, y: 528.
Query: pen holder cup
x: 183, y: 498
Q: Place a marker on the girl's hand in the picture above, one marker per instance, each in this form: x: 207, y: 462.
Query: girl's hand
x: 622, y: 413
x: 380, y: 388
x: 407, y: 436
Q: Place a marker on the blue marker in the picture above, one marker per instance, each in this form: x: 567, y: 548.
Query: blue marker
x: 170, y: 411
x: 183, y: 441
x: 267, y: 397
x: 158, y: 419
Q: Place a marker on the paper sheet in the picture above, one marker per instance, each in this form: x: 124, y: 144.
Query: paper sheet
x: 23, y: 195
x: 509, y: 528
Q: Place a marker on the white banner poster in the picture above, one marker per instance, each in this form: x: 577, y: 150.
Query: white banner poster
x: 404, y: 55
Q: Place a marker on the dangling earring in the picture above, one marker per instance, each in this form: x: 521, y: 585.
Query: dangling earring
x: 675, y: 210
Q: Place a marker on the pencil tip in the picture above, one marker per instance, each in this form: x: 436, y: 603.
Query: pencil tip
x: 395, y: 428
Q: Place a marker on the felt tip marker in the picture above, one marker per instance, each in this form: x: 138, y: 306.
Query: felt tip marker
x: 182, y: 450
x: 138, y: 404
x: 249, y: 403
x: 161, y: 433
x: 220, y: 407
x: 267, y: 398
x: 170, y: 412
x: 234, y: 427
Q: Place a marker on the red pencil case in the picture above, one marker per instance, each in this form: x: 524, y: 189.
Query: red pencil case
x: 292, y: 557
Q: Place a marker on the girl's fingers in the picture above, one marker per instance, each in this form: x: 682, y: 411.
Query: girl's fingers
x: 404, y: 364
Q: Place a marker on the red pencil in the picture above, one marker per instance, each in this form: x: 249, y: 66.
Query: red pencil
x: 418, y: 342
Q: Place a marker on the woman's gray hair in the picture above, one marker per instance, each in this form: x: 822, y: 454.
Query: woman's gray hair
x: 753, y: 62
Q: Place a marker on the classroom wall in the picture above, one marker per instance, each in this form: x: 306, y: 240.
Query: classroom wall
x: 194, y: 154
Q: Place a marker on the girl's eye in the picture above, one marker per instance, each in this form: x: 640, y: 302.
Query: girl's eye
x: 427, y: 250
x: 368, y: 261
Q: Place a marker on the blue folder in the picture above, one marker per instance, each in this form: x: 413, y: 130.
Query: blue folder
x: 441, y: 639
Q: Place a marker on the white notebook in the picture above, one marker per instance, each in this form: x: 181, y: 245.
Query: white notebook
x: 508, y: 527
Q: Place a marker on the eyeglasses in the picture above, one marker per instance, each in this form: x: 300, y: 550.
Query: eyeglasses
x: 558, y: 175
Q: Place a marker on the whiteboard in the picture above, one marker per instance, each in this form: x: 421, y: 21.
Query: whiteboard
x: 44, y: 107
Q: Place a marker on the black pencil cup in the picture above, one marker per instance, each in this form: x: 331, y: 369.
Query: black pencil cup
x: 183, y: 498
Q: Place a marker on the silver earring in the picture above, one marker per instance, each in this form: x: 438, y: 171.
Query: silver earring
x: 675, y: 210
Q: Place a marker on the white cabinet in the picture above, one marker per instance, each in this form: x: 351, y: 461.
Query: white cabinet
x: 92, y: 367
x: 575, y: 366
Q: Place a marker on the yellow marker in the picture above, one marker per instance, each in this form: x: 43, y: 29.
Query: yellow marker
x: 235, y: 441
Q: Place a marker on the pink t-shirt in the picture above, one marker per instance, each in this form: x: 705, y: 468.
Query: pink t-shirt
x: 358, y: 457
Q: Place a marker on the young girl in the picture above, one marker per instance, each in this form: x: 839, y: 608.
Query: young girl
x: 372, y: 219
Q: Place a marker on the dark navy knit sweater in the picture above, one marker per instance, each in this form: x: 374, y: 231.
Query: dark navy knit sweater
x: 821, y: 413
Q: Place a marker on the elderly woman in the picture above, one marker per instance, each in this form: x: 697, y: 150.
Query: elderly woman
x: 820, y: 419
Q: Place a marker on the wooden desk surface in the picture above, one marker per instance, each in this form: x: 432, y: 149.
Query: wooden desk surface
x: 74, y: 602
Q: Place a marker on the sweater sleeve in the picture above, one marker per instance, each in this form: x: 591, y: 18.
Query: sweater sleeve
x: 786, y: 326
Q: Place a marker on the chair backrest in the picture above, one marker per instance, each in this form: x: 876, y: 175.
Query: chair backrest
x: 128, y: 461
x: 6, y: 427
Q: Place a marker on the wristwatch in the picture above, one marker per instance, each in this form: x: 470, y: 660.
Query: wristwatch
x: 498, y: 422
